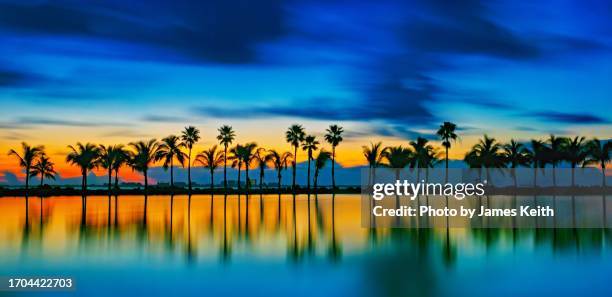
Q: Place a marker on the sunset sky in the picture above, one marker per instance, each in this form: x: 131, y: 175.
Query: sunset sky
x: 121, y: 71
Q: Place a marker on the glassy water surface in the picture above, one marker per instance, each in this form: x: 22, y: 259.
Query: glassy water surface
x: 266, y: 245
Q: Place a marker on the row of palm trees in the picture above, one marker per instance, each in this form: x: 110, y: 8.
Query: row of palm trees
x: 489, y: 153
x: 177, y: 150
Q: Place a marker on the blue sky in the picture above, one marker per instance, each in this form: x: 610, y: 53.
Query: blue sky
x: 385, y: 68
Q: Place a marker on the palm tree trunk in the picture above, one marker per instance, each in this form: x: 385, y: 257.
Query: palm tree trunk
x: 225, y: 169
x: 316, y: 178
x: 603, y: 173
x: 247, y: 178
x: 189, y: 170
x: 333, y: 168
x: 110, y: 176
x: 212, y: 180
x: 117, y: 179
x: 308, y: 182
x: 294, y: 164
x: 27, y: 180
x: 83, y: 182
x: 42, y: 179
x: 171, y: 174
x: 573, y: 173
x: 261, y: 177
x: 146, y: 181
x: 239, y: 165
x: 279, y: 181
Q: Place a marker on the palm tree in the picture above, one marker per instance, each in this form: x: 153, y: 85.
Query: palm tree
x: 423, y: 154
x: 85, y: 156
x: 309, y: 145
x: 122, y: 157
x: 575, y: 152
x: 107, y: 158
x: 515, y: 154
x: 168, y: 151
x: 44, y: 168
x: 320, y: 161
x: 28, y: 155
x: 374, y: 155
x: 447, y: 135
x: 280, y: 163
x: 555, y: 153
x: 211, y: 159
x: 538, y: 158
x: 143, y: 157
x: 247, y: 156
x: 294, y: 136
x: 189, y: 137
x: 262, y: 158
x: 488, y: 154
x: 398, y: 157
x: 334, y: 137
x: 226, y: 137
x: 237, y: 152
x: 599, y: 153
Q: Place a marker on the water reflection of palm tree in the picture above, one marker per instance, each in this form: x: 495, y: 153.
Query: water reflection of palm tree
x: 226, y: 137
x: 190, y: 248
x: 189, y: 137
x: 294, y: 136
x: 211, y: 159
x: 28, y: 156
x: 335, y: 250
x: 169, y: 150
x: 226, y: 248
x: 310, y: 145
x: 334, y: 136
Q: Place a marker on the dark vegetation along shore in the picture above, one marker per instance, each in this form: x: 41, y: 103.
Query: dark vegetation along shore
x: 419, y: 154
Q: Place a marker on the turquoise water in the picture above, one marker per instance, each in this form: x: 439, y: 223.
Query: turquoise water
x: 269, y: 245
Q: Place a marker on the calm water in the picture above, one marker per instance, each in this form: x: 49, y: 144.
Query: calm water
x: 269, y: 245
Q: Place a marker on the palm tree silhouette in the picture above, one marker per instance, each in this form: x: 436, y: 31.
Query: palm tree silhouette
x: 320, y: 161
x: 488, y: 154
x: 248, y: 154
x: 122, y: 157
x: 237, y: 152
x: 538, y: 158
x: 334, y: 137
x: 143, y: 157
x: 262, y: 158
x: 168, y: 151
x: 44, y: 168
x: 190, y: 136
x: 107, y: 158
x: 423, y: 155
x: 28, y: 155
x: 309, y: 145
x: 398, y: 157
x: 555, y: 154
x: 515, y: 154
x: 280, y: 163
x: 294, y: 136
x: 446, y: 132
x: 85, y: 156
x: 575, y: 152
x: 211, y: 159
x: 374, y: 155
x: 599, y: 153
x: 226, y: 137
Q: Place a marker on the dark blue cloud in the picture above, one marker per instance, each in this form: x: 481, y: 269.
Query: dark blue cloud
x: 568, y: 118
x: 218, y: 31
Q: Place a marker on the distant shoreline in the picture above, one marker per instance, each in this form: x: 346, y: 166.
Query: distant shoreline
x: 153, y: 191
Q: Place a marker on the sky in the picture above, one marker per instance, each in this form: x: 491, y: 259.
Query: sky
x: 119, y: 71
